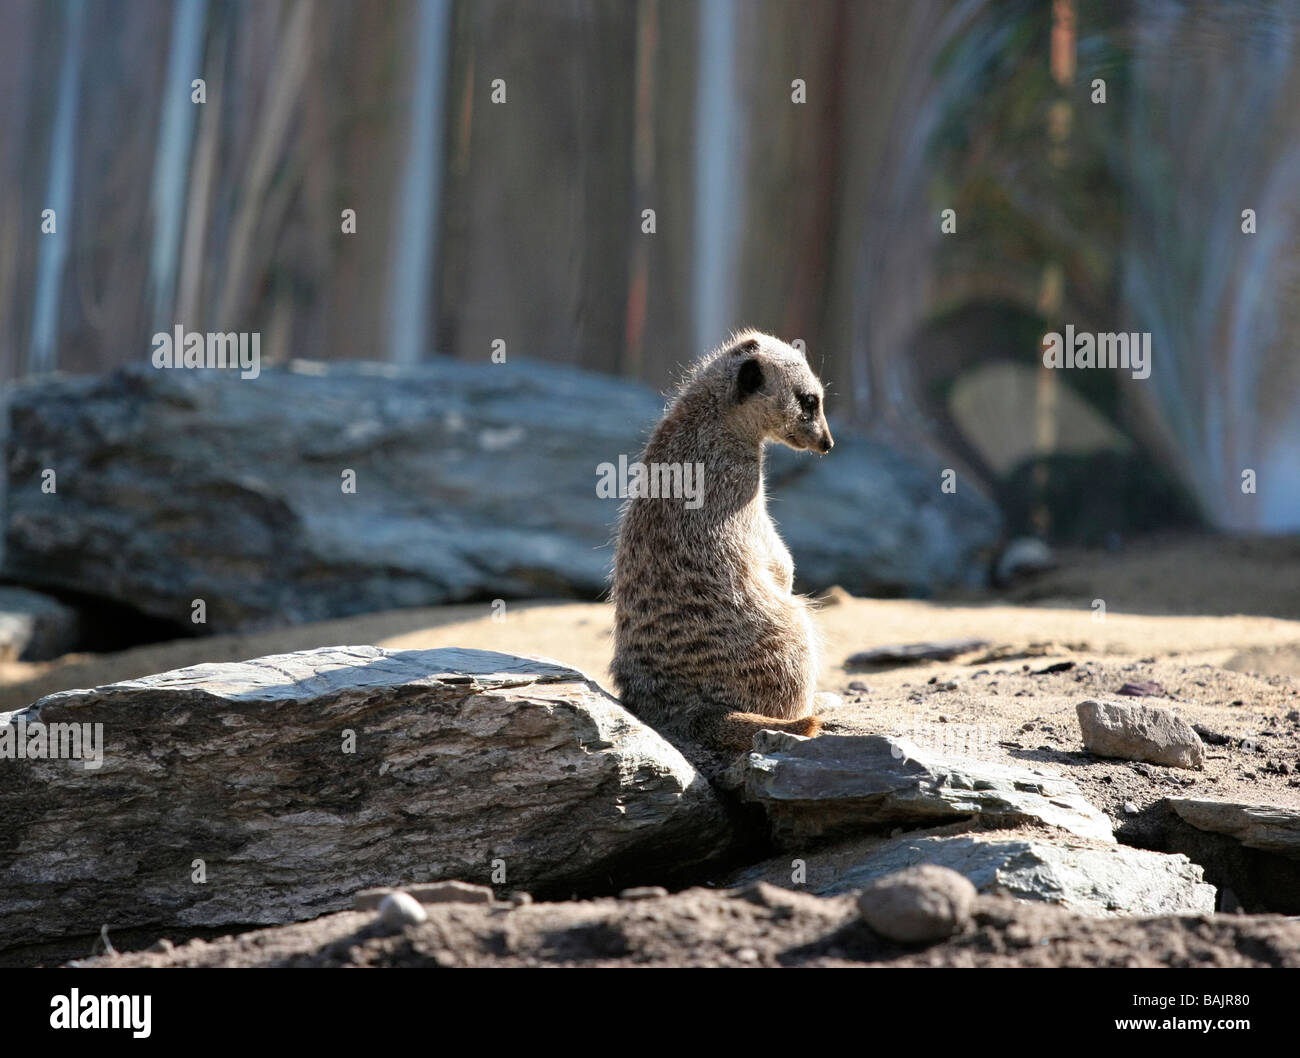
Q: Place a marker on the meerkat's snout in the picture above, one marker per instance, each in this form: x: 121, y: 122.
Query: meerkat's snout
x: 826, y: 442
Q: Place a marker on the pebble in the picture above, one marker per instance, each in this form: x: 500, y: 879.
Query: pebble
x: 401, y: 909
x: 919, y: 904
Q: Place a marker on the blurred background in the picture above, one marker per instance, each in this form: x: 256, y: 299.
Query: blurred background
x: 799, y: 158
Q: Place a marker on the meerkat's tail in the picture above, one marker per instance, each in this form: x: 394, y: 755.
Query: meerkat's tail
x: 735, y: 731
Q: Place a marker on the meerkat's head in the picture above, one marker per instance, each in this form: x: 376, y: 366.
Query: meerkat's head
x: 771, y: 392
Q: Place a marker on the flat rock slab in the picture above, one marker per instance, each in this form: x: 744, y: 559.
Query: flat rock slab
x: 1139, y: 732
x: 299, y: 779
x: 1091, y: 878
x: 1269, y: 828
x: 911, y: 653
x: 842, y: 784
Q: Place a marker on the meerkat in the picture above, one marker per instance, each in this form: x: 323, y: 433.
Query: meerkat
x: 710, y: 642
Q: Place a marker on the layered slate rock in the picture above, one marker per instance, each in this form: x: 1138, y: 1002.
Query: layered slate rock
x: 270, y: 791
x: 320, y: 491
x: 843, y: 784
x: 1139, y: 732
x: 1088, y: 877
x: 1269, y: 828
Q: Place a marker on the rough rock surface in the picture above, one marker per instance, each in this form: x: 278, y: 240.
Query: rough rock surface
x: 918, y: 905
x: 152, y: 463
x: 840, y: 784
x: 761, y: 926
x: 1139, y: 732
x: 464, y: 762
x: 1270, y: 828
x: 1087, y: 877
x: 35, y: 627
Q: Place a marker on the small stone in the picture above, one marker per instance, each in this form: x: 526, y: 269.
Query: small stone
x: 162, y: 946
x: 1145, y: 689
x: 826, y: 702
x: 401, y: 909
x: 1139, y: 732
x: 918, y: 904
x: 521, y: 899
x: 1060, y: 666
x: 451, y: 892
x: 859, y: 686
x: 643, y: 892
x: 747, y: 955
x: 1130, y: 809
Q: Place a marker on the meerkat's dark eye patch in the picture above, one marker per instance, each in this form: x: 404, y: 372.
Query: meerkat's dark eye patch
x: 809, y: 402
x: 748, y: 379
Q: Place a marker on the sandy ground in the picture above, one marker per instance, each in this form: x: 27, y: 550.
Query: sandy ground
x: 759, y: 926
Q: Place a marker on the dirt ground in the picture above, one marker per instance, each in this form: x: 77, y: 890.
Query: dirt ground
x: 759, y: 926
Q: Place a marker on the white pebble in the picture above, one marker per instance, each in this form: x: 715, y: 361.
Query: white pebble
x: 401, y: 909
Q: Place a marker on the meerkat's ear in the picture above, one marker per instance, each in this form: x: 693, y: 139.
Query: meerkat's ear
x: 748, y: 379
x: 749, y: 345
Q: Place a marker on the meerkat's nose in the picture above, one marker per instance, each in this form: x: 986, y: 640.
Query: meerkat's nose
x: 827, y: 443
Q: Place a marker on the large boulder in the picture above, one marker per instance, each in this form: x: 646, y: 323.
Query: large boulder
x: 472, y: 481
x: 272, y: 790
